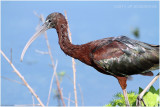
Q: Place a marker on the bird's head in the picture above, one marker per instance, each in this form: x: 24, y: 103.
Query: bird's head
x: 52, y: 21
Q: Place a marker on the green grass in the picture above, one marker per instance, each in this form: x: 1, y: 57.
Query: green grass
x: 151, y: 98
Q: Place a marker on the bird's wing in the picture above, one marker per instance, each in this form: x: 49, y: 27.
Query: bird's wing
x: 136, y: 45
x: 123, y: 56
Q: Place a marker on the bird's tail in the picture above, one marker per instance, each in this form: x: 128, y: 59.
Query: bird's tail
x: 156, y: 47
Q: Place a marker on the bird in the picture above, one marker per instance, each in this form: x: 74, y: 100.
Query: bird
x: 119, y: 56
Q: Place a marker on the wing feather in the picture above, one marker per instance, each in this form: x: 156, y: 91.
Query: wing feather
x: 123, y: 56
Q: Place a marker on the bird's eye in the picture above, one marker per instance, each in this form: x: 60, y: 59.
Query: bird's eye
x: 49, y: 21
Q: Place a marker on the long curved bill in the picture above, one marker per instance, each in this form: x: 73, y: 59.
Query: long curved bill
x: 41, y: 30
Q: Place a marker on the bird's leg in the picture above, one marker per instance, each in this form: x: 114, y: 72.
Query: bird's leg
x: 126, y: 97
x: 122, y: 81
x: 140, y: 96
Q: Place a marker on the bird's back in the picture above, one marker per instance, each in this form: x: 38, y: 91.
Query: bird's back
x: 122, y: 56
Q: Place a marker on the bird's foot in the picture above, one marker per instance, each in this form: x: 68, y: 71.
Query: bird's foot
x: 127, y: 105
x: 138, y: 102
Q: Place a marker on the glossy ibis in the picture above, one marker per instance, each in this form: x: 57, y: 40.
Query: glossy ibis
x: 116, y: 56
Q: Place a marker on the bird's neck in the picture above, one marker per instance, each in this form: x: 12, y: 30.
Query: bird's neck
x: 65, y: 44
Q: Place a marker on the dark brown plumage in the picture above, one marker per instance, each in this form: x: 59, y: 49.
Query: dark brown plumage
x: 116, y: 56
